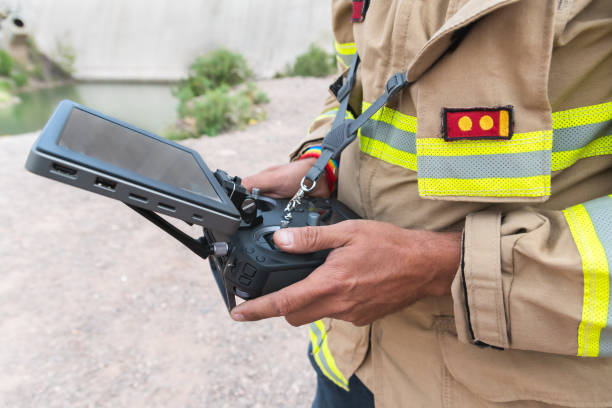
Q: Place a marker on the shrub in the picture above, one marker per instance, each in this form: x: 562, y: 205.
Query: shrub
x: 255, y: 95
x: 20, y: 78
x: 221, y: 110
x: 212, y: 70
x: 177, y: 132
x: 212, y: 111
x: 315, y: 62
x: 222, y: 67
x: 6, y: 84
x: 210, y: 101
x: 6, y: 63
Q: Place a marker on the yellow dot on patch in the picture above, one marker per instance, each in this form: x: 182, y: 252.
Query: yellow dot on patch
x: 465, y: 123
x: 486, y: 122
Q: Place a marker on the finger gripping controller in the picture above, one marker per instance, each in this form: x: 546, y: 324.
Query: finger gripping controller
x: 254, y: 266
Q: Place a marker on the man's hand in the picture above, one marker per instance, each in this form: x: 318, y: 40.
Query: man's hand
x: 375, y: 269
x: 283, y: 181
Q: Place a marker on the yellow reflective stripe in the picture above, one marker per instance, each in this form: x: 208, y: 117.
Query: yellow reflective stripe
x: 520, y: 143
x: 598, y: 147
x: 387, y: 153
x: 323, y: 357
x: 327, y: 114
x: 535, y: 186
x: 582, y: 116
x: 317, y: 356
x: 328, y: 356
x: 544, y: 141
x: 573, y: 118
x: 596, y: 277
x: 344, y: 53
x: 345, y: 48
x: 395, y: 118
x: 330, y: 113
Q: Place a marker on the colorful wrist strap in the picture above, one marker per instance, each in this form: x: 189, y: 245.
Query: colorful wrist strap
x: 330, y: 168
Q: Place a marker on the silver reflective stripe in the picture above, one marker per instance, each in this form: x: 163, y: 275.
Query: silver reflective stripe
x: 318, y: 334
x: 319, y: 352
x: 346, y: 59
x: 577, y: 137
x: 390, y: 135
x: 513, y: 165
x: 600, y: 212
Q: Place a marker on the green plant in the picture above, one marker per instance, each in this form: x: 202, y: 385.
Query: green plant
x: 177, y: 133
x: 212, y: 111
x: 221, y: 109
x: 20, y: 78
x: 212, y: 99
x: 221, y: 67
x: 6, y: 85
x: 214, y: 69
x: 315, y: 62
x: 6, y: 63
x: 256, y: 96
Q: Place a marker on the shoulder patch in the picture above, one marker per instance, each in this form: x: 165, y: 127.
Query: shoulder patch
x: 477, y: 123
x: 360, y: 7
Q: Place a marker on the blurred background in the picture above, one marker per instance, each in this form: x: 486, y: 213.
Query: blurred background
x: 97, y: 306
x: 142, y: 47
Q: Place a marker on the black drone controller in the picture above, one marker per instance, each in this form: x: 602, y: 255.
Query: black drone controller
x: 247, y: 263
x: 92, y: 151
x: 253, y: 265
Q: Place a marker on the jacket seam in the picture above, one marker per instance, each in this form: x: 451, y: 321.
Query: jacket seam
x: 499, y: 293
x: 465, y: 294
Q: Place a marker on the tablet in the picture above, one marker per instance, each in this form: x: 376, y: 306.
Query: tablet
x: 89, y: 150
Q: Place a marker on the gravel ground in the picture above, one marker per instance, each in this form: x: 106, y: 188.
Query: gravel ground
x: 100, y: 308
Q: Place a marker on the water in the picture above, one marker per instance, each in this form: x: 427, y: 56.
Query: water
x: 149, y: 106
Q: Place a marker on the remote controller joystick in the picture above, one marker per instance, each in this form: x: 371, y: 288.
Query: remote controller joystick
x: 254, y: 265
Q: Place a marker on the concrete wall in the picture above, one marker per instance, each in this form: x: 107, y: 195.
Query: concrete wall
x: 157, y: 39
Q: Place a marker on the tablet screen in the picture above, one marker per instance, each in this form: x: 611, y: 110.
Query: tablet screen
x: 133, y: 151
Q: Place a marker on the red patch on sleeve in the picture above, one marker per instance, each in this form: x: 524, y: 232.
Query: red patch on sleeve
x: 357, y: 11
x: 477, y: 123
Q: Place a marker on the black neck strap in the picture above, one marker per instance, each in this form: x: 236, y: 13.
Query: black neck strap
x: 343, y: 130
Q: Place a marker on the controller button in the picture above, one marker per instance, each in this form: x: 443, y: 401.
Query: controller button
x: 249, y: 270
x: 250, y: 250
x: 244, y: 280
x: 260, y: 258
x: 242, y: 293
x: 313, y: 219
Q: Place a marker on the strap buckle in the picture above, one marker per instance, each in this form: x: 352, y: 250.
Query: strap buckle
x: 396, y: 83
x: 345, y: 89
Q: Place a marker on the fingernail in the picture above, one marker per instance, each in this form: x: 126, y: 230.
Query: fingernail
x: 237, y: 317
x: 284, y: 237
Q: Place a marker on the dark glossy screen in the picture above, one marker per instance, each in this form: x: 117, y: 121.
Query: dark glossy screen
x: 114, y: 144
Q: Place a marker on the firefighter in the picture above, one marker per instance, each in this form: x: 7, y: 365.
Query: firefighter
x: 480, y: 275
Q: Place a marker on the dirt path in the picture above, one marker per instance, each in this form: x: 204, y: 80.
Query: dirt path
x: 100, y: 308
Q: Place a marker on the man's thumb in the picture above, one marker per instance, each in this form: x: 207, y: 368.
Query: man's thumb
x: 310, y: 239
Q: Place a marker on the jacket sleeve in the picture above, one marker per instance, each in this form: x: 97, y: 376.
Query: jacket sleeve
x: 345, y: 50
x: 538, y: 280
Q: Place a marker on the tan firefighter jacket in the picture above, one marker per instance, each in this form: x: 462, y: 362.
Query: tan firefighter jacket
x: 529, y: 322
